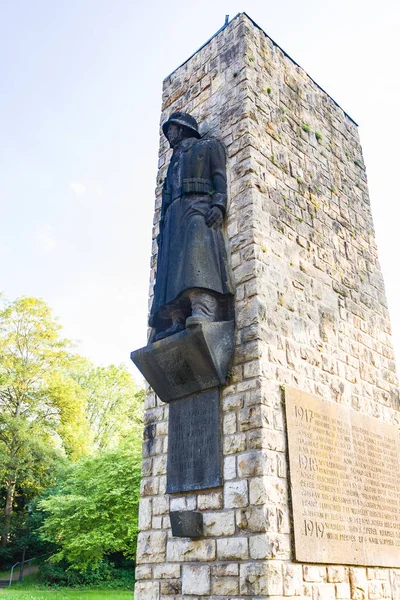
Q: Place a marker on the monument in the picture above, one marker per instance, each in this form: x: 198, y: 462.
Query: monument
x: 271, y: 443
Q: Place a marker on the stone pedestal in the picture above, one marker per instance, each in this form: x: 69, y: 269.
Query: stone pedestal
x: 311, y: 314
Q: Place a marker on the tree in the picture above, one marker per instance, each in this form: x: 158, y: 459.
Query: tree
x: 94, y: 510
x: 42, y: 411
x: 114, y: 404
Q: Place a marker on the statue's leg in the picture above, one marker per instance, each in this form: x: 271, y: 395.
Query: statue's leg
x: 204, y: 307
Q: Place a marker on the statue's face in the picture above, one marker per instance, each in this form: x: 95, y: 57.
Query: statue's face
x: 174, y: 134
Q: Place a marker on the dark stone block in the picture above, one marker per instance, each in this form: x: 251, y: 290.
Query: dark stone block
x: 194, y: 461
x: 186, y: 523
x: 188, y: 362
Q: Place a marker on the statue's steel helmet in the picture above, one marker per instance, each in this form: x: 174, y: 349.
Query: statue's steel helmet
x: 181, y: 118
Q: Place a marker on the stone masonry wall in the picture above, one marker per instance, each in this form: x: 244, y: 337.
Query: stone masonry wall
x: 310, y: 310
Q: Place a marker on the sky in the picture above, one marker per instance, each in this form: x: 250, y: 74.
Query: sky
x: 80, y: 101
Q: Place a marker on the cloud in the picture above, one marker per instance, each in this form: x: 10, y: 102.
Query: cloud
x: 45, y: 238
x: 78, y: 188
x: 4, y: 250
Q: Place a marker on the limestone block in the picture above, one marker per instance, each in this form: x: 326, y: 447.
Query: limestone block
x: 160, y: 505
x: 229, y: 423
x: 395, y: 582
x: 358, y: 583
x: 283, y: 519
x: 375, y: 590
x: 375, y: 573
x: 171, y: 587
x: 225, y: 570
x: 292, y: 580
x: 218, y: 524
x: 234, y: 443
x: 269, y: 545
x: 307, y: 590
x: 232, y: 402
x: 151, y: 546
x: 323, y: 591
x: 156, y: 523
x: 212, y: 501
x: 261, y: 579
x: 147, y: 590
x: 178, y: 504
x: 145, y: 513
x: 270, y: 440
x: 313, y: 573
x: 267, y: 490
x: 167, y: 571
x: 149, y: 486
x: 183, y: 550
x: 256, y: 439
x: 236, y: 494
x: 162, y: 428
x: 143, y: 572
x: 196, y: 580
x: 336, y: 574
x: 147, y: 467
x: 230, y: 468
x: 225, y: 586
x: 256, y: 519
x: 343, y: 591
x: 232, y: 549
x: 256, y: 463
x: 160, y: 465
x: 386, y: 590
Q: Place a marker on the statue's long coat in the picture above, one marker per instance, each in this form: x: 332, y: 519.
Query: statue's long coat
x: 191, y: 254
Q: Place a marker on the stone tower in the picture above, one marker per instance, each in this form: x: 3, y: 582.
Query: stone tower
x: 312, y: 333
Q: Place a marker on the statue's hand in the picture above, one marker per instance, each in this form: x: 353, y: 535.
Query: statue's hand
x: 214, y: 217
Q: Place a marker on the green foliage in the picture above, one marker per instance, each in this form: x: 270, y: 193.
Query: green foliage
x: 94, y: 511
x: 306, y: 127
x: 113, y: 403
x: 56, y: 409
x: 318, y: 135
x: 104, y: 575
x: 269, y: 90
x: 36, y: 414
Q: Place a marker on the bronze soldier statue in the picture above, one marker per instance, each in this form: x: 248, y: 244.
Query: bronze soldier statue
x: 192, y: 281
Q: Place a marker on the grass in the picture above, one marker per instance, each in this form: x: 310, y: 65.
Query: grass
x: 29, y: 589
x: 16, y: 593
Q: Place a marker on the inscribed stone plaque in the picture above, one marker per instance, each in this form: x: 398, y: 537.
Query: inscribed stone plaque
x: 194, y: 443
x: 345, y: 480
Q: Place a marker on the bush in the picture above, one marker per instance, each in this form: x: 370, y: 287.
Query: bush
x: 104, y: 575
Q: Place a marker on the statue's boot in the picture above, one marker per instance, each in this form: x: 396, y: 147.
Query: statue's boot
x: 178, y: 323
x: 204, y: 308
x: 175, y: 328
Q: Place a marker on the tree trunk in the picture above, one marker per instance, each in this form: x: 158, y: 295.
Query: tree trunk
x: 8, y: 512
